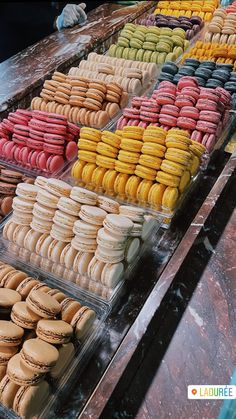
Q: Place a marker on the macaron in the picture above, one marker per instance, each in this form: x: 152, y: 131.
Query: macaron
x: 20, y: 374
x: 56, y: 332
x: 10, y: 333
x: 43, y: 304
x: 38, y: 355
x: 23, y: 316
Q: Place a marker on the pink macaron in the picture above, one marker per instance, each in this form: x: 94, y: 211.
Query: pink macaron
x: 54, y: 163
x: 170, y: 110
x: 206, y: 105
x: 210, y: 116
x: 131, y: 113
x: 169, y: 120
x: 209, y: 141
x: 54, y: 139
x: 37, y: 124
x: 19, y: 139
x: 189, y: 112
x: 186, y: 123
x: 184, y: 100
x: 197, y: 136
x: 164, y: 98
x: 53, y: 149
x: 187, y: 81
x: 71, y: 150
x: 206, y: 126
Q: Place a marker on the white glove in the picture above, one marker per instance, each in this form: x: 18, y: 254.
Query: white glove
x: 71, y: 15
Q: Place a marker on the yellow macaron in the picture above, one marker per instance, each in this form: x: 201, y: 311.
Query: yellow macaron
x: 152, y: 149
x: 136, y: 133
x: 88, y: 145
x: 167, y: 179
x: 173, y: 168
x: 97, y: 177
x: 131, y: 145
x: 88, y: 172
x: 128, y: 156
x: 184, y: 180
x: 145, y: 172
x: 150, y: 161
x: 155, y: 195
x: 120, y: 183
x: 87, y: 156
x: 109, y: 180
x: 170, y: 197
x: 104, y: 161
x: 90, y: 134
x: 111, y: 138
x: 132, y: 186
x: 123, y: 167
x: 195, y: 163
x: 179, y: 156
x: 77, y: 169
x: 143, y: 190
x: 107, y: 150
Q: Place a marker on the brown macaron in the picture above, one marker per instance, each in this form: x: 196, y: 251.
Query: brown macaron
x: 43, y: 304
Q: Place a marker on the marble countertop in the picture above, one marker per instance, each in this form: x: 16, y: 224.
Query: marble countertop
x: 25, y: 72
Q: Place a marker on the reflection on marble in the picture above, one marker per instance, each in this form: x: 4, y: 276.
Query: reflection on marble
x: 22, y: 75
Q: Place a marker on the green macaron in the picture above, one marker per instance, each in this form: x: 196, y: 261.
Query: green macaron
x: 149, y: 45
x: 150, y: 37
x: 161, y: 58
x: 139, y: 35
x: 139, y: 55
x: 136, y: 43
x: 163, y: 47
x: 125, y: 54
x: 154, y: 30
x: 130, y: 26
x: 154, y: 57
x: 178, y: 41
x: 132, y: 54
x: 112, y: 50
x: 147, y: 56
x: 166, y: 31
x: 123, y: 42
x: 126, y: 34
x: 119, y: 52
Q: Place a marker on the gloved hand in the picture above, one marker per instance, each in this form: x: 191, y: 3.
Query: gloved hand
x: 71, y: 15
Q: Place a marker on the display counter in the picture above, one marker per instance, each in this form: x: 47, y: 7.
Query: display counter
x: 22, y: 75
x: 159, y: 290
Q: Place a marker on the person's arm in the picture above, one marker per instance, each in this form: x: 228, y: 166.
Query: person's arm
x: 72, y: 14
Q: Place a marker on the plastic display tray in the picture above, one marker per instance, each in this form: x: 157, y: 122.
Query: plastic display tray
x: 84, y: 349
x: 65, y: 277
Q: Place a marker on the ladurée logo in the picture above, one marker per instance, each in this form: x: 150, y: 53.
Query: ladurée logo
x: 212, y: 392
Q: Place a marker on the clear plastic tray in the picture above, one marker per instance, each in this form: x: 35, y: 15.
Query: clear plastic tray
x: 10, y: 164
x: 76, y: 283
x: 159, y: 214
x: 83, y: 350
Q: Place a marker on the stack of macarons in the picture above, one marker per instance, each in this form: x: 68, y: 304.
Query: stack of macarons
x: 39, y: 328
x: 191, y: 25
x: 203, y: 9
x: 222, y: 28
x: 8, y: 183
x: 220, y: 53
x: 183, y: 106
x: 133, y: 76
x: 74, y: 226
x: 80, y: 99
x: 38, y: 140
x: 208, y: 74
x: 136, y: 173
x: 149, y: 43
